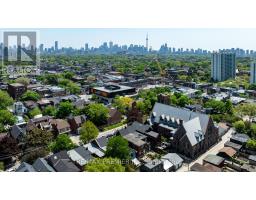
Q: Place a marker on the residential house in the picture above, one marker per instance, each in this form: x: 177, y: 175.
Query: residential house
x: 101, y: 143
x: 19, y: 108
x: 18, y: 131
x: 80, y: 155
x: 41, y: 165
x: 16, y: 90
x: 204, y: 168
x: 137, y: 141
x: 76, y: 122
x: 227, y: 152
x: 114, y: 116
x: 25, y: 167
x: 214, y: 160
x: 239, y: 139
x: 235, y: 146
x: 153, y: 166
x: 94, y: 150
x: 60, y: 126
x: 61, y: 162
x: 173, y: 158
x: 43, y: 123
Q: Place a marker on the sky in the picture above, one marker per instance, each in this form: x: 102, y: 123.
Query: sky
x: 210, y: 39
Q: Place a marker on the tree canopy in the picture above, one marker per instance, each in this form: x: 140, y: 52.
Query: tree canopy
x: 30, y: 95
x: 88, y: 132
x: 49, y: 110
x: 35, y: 111
x: 5, y: 100
x: 62, y: 142
x: 6, y: 118
x: 122, y: 103
x: 65, y: 109
x: 97, y: 113
x: 37, y: 137
x: 118, y: 147
x: 105, y: 165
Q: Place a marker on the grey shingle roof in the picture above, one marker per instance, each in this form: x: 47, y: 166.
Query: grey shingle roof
x: 82, y: 151
x: 174, y: 158
x: 213, y: 159
x: 41, y: 165
x: 17, y: 131
x: 25, y: 167
x: 135, y: 126
x: 178, y: 113
x: 194, y: 131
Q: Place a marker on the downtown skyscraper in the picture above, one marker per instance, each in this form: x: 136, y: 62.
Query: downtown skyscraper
x: 223, y: 66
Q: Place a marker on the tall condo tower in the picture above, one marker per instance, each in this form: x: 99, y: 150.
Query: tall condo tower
x: 147, y: 42
x: 223, y: 66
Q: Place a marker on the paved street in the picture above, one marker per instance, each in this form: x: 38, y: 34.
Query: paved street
x: 214, y: 150
x: 76, y: 140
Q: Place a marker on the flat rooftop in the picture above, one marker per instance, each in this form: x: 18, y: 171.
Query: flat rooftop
x: 113, y: 88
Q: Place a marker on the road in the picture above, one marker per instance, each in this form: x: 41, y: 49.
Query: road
x: 76, y: 140
x: 214, y: 150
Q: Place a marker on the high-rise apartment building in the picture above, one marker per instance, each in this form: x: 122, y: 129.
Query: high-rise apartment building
x: 253, y: 72
x: 56, y: 46
x: 223, y: 66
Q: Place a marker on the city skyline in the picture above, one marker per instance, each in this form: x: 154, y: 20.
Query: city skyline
x: 209, y: 39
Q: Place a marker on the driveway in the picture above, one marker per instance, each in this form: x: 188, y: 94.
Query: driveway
x: 213, y: 150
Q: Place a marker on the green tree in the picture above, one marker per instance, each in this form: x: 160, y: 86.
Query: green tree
x: 51, y: 79
x: 104, y: 165
x: 217, y: 106
x: 34, y: 154
x: 35, y: 111
x: 37, y: 137
x: 30, y: 95
x: 6, y: 118
x: 229, y: 107
x: 23, y: 80
x: 50, y: 110
x: 88, y: 132
x: 246, y: 109
x: 73, y: 88
x: 183, y: 101
x: 65, y: 109
x: 5, y: 100
x: 252, y: 86
x: 122, y: 103
x: 1, y: 166
x: 239, y: 126
x: 251, y: 144
x: 62, y: 142
x: 97, y: 113
x: 253, y: 130
x: 68, y: 74
x: 118, y: 147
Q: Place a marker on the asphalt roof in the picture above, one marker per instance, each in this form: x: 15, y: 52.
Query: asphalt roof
x: 213, y: 159
x: 174, y: 158
x: 233, y: 145
x: 41, y: 165
x: 178, y: 113
x: 25, y: 167
x: 204, y: 168
x: 242, y: 138
x: 132, y: 138
x: 135, y: 126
